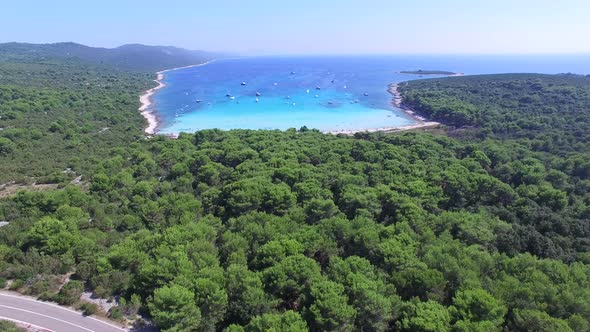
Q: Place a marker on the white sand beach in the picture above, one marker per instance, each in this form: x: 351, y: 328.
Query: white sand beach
x: 421, y: 123
x: 146, y: 98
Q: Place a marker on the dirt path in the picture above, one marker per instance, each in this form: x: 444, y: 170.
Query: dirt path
x: 9, y: 189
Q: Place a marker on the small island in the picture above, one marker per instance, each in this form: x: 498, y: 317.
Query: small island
x: 430, y: 72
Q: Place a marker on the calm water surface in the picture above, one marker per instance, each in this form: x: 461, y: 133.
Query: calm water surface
x: 327, y: 93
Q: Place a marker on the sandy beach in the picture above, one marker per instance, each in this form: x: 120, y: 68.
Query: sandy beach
x: 146, y: 98
x: 397, y: 101
x: 421, y: 123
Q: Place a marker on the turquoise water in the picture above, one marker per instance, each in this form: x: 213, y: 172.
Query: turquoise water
x: 325, y: 93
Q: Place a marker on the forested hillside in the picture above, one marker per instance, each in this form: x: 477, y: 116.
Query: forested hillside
x: 64, y: 105
x: 330, y: 233
x: 487, y: 230
x: 132, y: 57
x: 57, y: 115
x: 550, y: 110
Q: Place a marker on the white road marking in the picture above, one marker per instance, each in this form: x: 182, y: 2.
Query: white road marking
x: 60, y: 307
x: 38, y: 314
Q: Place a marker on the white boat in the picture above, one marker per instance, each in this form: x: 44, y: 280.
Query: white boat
x: 243, y: 83
x: 257, y: 100
x: 307, y: 91
x: 258, y: 94
x: 232, y: 97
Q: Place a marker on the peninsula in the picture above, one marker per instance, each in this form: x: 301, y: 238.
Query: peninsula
x: 430, y: 72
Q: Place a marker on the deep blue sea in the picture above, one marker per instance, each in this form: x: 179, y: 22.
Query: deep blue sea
x: 329, y: 93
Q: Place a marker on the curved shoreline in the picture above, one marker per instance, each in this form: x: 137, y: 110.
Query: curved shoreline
x: 397, y: 102
x: 146, y: 98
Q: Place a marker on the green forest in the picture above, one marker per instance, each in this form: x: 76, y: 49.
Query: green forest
x: 484, y: 226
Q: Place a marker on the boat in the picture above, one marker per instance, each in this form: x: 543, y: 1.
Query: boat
x: 316, y: 96
x: 365, y: 94
x: 307, y: 91
x: 318, y: 88
x: 228, y: 95
x: 243, y: 83
x: 257, y: 100
x: 198, y: 101
x: 258, y: 94
x: 292, y: 73
x: 232, y: 97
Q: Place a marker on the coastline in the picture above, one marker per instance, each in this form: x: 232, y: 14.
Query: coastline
x: 146, y: 98
x: 397, y: 101
x: 431, y: 74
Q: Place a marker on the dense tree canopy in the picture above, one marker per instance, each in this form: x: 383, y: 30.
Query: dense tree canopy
x: 410, y: 232
x: 296, y: 230
x: 55, y: 116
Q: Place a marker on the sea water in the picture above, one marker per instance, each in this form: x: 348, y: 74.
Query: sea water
x: 329, y: 93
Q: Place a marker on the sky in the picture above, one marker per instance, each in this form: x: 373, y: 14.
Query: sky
x: 308, y: 26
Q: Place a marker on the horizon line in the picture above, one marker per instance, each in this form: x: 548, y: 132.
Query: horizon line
x: 346, y: 53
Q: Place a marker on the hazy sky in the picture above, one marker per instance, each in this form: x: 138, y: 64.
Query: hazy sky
x: 308, y: 26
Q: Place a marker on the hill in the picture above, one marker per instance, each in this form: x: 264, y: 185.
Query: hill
x: 428, y: 72
x: 508, y: 105
x: 133, y: 57
x: 57, y: 114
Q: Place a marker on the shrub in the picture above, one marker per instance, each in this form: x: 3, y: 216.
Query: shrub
x: 17, y: 284
x: 89, y: 308
x: 70, y: 292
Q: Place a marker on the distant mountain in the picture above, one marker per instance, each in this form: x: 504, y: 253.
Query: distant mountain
x: 133, y: 57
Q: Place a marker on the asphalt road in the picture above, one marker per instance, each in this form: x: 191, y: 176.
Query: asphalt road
x: 48, y: 316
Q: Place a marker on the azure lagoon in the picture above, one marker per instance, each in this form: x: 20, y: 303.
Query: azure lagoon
x: 328, y: 93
